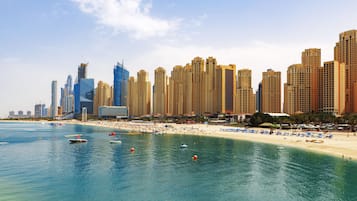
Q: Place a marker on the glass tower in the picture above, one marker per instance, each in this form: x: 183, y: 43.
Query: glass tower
x: 121, y: 76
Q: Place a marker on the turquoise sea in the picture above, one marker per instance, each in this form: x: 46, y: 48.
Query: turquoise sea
x: 38, y: 163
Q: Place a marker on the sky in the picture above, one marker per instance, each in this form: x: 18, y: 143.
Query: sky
x: 43, y: 40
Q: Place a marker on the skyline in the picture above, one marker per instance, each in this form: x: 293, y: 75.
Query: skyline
x: 44, y: 41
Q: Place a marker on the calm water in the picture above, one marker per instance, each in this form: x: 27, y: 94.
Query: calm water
x: 38, y: 163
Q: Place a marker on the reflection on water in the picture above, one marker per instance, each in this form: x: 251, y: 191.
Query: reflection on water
x: 40, y: 164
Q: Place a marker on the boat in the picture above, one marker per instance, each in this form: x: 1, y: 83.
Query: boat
x: 115, y: 141
x: 73, y: 135
x: 183, y: 146
x: 3, y: 143
x: 112, y: 134
x: 77, y: 140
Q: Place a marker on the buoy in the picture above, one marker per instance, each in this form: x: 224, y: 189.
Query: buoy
x: 132, y: 149
x: 194, y: 157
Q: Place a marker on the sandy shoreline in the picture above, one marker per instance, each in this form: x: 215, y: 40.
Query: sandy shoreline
x: 342, y: 144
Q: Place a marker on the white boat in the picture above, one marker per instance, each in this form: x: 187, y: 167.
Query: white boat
x: 73, y: 135
x: 77, y: 140
x: 3, y: 143
x: 115, y: 141
x: 183, y: 146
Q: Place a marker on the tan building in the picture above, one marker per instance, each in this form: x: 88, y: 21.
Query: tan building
x: 271, y: 91
x: 296, y: 91
x: 209, y: 89
x: 103, y: 96
x: 197, y: 88
x: 160, y: 96
x: 132, y: 97
x: 177, y: 91
x: 311, y: 61
x: 245, y: 98
x: 225, y: 84
x: 187, y: 105
x: 345, y: 52
x: 334, y: 87
x: 139, y: 94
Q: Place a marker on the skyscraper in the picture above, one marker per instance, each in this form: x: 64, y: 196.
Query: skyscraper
x: 82, y: 71
x: 54, y: 99
x: 208, y: 87
x: 121, y: 76
x: 334, y: 87
x: 197, y: 89
x: 187, y: 104
x: 311, y: 61
x: 245, y: 98
x: 159, y: 91
x: 225, y: 88
x: 103, y: 96
x: 140, y: 94
x: 177, y: 91
x: 271, y: 91
x: 345, y: 52
x: 86, y: 94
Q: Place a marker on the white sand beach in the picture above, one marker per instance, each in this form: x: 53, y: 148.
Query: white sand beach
x: 340, y: 144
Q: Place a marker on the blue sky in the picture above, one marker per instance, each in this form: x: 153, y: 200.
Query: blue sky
x: 42, y: 40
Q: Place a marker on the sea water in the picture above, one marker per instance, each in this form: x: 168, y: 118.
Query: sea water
x: 38, y: 163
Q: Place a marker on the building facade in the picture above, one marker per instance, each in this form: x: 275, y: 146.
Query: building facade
x: 271, y: 91
x: 121, y: 76
x: 245, y: 98
x: 54, y: 99
x: 159, y: 91
x: 102, y: 96
x: 346, y: 52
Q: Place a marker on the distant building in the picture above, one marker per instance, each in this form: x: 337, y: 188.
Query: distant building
x: 159, y: 92
x: 345, y: 52
x: 271, y: 91
x: 54, y: 99
x: 86, y: 94
x: 225, y: 88
x: 245, y: 98
x: 39, y: 111
x: 82, y: 71
x: 121, y: 77
x: 103, y: 96
x: 334, y: 87
x: 113, y: 112
x: 140, y: 94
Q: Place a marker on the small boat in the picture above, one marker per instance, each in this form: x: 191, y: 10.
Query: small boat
x: 3, y: 143
x: 112, y: 134
x: 115, y: 141
x: 73, y: 135
x: 183, y: 146
x: 77, y: 140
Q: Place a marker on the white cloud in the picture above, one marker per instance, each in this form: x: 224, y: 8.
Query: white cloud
x: 131, y: 16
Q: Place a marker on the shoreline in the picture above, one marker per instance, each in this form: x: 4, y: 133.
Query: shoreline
x: 341, y: 145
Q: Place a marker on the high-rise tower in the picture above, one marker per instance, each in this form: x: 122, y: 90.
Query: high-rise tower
x: 271, y: 91
x: 225, y: 88
x: 346, y: 52
x: 245, y: 98
x: 197, y: 88
x: 160, y: 102
x: 54, y: 99
x: 82, y: 71
x: 121, y: 76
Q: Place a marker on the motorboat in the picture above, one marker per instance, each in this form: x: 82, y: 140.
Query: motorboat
x: 183, y: 146
x: 77, y: 140
x: 73, y: 135
x: 115, y: 142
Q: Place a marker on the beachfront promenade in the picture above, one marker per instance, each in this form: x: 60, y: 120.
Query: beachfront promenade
x: 340, y: 144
